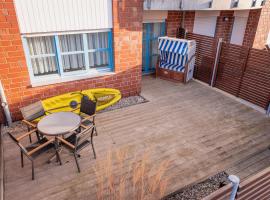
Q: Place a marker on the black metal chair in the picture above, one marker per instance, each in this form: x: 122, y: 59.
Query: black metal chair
x: 78, y: 141
x: 33, y: 151
x: 88, y: 113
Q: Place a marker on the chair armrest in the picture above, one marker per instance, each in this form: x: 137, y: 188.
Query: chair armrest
x: 186, y: 67
x: 29, y: 123
x: 26, y: 134
x: 190, y: 59
x: 66, y: 142
x: 86, y: 127
x: 40, y: 146
x: 88, y: 117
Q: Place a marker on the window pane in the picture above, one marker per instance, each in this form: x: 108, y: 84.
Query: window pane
x: 73, y: 62
x: 97, y: 40
x: 69, y: 43
x: 99, y: 59
x: 41, y: 45
x: 44, y: 66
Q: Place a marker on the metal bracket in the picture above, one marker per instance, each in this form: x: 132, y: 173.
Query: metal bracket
x: 235, y: 181
x: 268, y: 110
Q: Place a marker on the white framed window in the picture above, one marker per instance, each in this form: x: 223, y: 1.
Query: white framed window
x: 239, y: 26
x: 205, y: 22
x: 65, y: 57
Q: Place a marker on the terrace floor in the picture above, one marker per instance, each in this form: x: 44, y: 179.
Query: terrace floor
x: 200, y: 130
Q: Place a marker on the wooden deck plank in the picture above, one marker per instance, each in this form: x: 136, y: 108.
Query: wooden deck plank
x: 200, y: 130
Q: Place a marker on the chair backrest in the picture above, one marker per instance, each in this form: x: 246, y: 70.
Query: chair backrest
x: 18, y: 143
x: 88, y: 106
x: 177, y: 59
x: 84, y: 136
x: 33, y: 111
x: 173, y: 51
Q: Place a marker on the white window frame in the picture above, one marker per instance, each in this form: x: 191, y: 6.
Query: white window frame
x: 62, y: 76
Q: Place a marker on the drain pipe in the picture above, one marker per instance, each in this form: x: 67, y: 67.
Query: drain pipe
x: 4, y: 104
x: 235, y: 182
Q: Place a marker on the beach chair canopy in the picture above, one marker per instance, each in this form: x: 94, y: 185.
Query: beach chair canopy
x: 173, y: 53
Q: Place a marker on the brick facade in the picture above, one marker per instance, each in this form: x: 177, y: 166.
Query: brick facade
x: 174, y: 21
x: 252, y: 24
x: 127, y: 31
x: 263, y: 27
x: 224, y: 25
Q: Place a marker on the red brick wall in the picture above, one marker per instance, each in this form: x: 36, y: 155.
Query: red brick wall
x: 14, y: 75
x: 252, y: 24
x: 224, y: 28
x: 174, y: 21
x: 263, y: 27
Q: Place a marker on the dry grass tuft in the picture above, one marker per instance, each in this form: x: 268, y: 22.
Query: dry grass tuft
x: 122, y: 176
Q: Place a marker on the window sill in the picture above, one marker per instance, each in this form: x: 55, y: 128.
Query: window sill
x: 54, y: 79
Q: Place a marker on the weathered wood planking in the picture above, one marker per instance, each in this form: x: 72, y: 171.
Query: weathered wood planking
x: 200, y: 130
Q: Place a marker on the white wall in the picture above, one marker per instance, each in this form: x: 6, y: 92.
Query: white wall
x: 39, y: 16
x: 268, y: 40
x: 239, y: 27
x: 199, y: 4
x: 205, y: 22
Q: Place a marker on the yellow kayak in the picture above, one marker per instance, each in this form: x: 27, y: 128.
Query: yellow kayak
x: 104, y: 97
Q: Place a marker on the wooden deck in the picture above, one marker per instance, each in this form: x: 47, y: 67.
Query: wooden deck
x: 199, y: 130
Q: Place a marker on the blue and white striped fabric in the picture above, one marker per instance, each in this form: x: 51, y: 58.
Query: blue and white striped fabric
x: 173, y: 46
x: 173, y: 54
x: 173, y: 67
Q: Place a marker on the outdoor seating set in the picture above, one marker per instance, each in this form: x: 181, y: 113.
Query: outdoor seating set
x: 57, y: 130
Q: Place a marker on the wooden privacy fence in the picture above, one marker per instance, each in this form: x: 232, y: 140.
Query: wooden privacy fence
x: 256, y: 187
x: 205, y: 56
x: 241, y: 71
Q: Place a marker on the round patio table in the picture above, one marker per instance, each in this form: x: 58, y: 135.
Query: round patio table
x: 57, y: 125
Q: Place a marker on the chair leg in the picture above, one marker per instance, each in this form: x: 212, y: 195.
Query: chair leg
x: 30, y: 138
x: 92, y: 143
x: 57, y: 151
x: 94, y: 124
x: 38, y: 136
x: 96, y: 133
x: 22, y: 164
x: 33, y: 170
x: 77, y: 162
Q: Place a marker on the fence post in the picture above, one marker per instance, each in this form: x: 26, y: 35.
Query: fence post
x: 235, y: 181
x: 216, y: 61
x: 5, y: 105
x: 268, y: 110
x: 243, y: 72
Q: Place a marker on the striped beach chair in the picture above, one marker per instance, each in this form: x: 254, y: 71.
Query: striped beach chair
x: 177, y: 59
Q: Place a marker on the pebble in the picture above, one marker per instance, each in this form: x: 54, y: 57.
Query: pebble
x: 202, y: 189
x: 125, y: 102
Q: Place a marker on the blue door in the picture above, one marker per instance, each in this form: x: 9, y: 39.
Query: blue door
x: 151, y: 32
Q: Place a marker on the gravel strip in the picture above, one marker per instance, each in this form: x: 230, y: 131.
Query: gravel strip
x: 200, y: 190
x: 125, y: 102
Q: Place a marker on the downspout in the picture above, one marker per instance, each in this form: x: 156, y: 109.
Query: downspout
x: 181, y: 6
x: 4, y: 104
